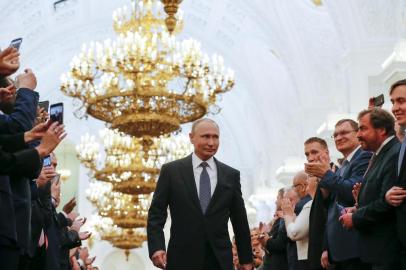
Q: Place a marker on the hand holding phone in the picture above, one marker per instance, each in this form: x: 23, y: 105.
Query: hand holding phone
x: 16, y: 43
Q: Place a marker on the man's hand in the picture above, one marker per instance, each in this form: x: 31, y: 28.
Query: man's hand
x: 287, y: 207
x: 36, y: 133
x: 46, y: 175
x: 317, y: 169
x: 7, y: 93
x: 247, y: 266
x: 9, y: 61
x: 73, y: 215
x: 52, y: 137
x: 159, y: 259
x: 84, y: 235
x: 355, y: 191
x: 395, y: 196
x: 77, y: 224
x: 26, y: 80
x: 42, y: 116
x: 263, y: 238
x: 68, y: 207
x: 346, y: 220
x: 324, y: 260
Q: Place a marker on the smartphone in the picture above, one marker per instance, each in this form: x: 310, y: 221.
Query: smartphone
x: 16, y: 43
x: 47, y: 161
x: 56, y: 112
x: 44, y: 105
x: 379, y: 100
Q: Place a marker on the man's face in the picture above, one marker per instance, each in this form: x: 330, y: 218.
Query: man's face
x: 398, y: 99
x: 313, y: 151
x: 205, y: 139
x: 300, y: 185
x: 367, y: 135
x: 345, y: 138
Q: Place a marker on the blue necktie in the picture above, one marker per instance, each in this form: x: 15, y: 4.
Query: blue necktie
x: 343, y: 167
x: 401, y: 155
x: 205, y: 188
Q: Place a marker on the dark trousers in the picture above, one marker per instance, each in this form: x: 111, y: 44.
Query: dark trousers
x: 38, y: 262
x: 9, y: 258
x: 387, y: 266
x: 210, y: 260
x: 353, y: 264
x: 302, y: 265
x: 24, y: 262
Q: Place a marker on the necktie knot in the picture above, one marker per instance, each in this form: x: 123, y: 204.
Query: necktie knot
x: 204, y: 164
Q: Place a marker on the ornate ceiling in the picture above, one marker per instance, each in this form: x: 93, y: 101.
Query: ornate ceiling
x: 295, y: 62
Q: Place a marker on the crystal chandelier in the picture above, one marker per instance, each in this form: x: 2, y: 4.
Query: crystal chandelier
x: 105, y: 229
x: 146, y: 82
x: 171, y: 8
x: 126, y: 211
x: 129, y: 163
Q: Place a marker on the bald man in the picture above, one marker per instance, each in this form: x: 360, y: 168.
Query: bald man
x: 202, y: 195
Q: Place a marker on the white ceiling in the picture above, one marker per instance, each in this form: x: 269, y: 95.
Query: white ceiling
x: 295, y: 62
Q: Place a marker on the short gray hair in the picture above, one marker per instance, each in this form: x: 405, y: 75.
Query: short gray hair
x: 201, y: 120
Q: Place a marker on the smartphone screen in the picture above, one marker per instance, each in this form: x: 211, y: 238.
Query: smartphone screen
x: 44, y: 105
x: 56, y: 112
x: 16, y: 43
x: 47, y: 161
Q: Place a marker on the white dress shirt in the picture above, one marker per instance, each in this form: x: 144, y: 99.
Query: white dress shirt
x: 211, y: 170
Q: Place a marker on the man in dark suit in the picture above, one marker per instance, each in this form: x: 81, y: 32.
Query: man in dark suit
x: 15, y: 158
x: 202, y: 194
x: 316, y: 150
x: 342, y: 245
x: 275, y: 242
x: 396, y: 195
x: 375, y: 219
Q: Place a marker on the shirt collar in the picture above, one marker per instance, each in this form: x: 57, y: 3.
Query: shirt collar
x: 383, y: 144
x: 196, y: 161
x: 350, y: 156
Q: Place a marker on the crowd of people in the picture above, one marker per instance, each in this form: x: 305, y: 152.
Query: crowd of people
x: 349, y: 214
x: 33, y: 234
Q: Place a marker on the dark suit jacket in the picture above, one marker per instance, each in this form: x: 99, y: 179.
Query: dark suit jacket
x: 375, y: 219
x: 276, y: 257
x: 342, y: 244
x: 191, y: 230
x: 24, y: 162
x: 401, y: 213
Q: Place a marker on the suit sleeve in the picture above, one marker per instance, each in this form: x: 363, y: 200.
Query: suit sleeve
x: 238, y: 216
x: 158, y: 212
x: 279, y: 243
x: 25, y: 163
x: 378, y: 209
x: 343, y: 186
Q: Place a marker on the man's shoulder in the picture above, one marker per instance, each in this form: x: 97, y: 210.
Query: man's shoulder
x: 226, y: 167
x: 178, y: 162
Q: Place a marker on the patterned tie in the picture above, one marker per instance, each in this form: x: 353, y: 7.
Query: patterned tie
x: 371, y: 162
x: 401, y: 155
x: 343, y: 167
x: 205, y: 188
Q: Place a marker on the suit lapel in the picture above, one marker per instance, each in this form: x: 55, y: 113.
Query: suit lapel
x: 189, y: 179
x: 220, y: 182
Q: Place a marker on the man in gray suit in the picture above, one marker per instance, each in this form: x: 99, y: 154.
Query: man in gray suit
x: 202, y: 194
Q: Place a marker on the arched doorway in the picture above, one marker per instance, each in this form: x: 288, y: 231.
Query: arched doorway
x: 117, y: 260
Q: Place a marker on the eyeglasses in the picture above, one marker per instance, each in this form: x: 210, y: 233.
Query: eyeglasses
x: 342, y: 133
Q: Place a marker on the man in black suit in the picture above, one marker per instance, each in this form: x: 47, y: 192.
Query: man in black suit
x: 275, y: 242
x: 342, y: 245
x: 375, y: 219
x: 202, y: 194
x: 397, y: 194
x: 316, y: 150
